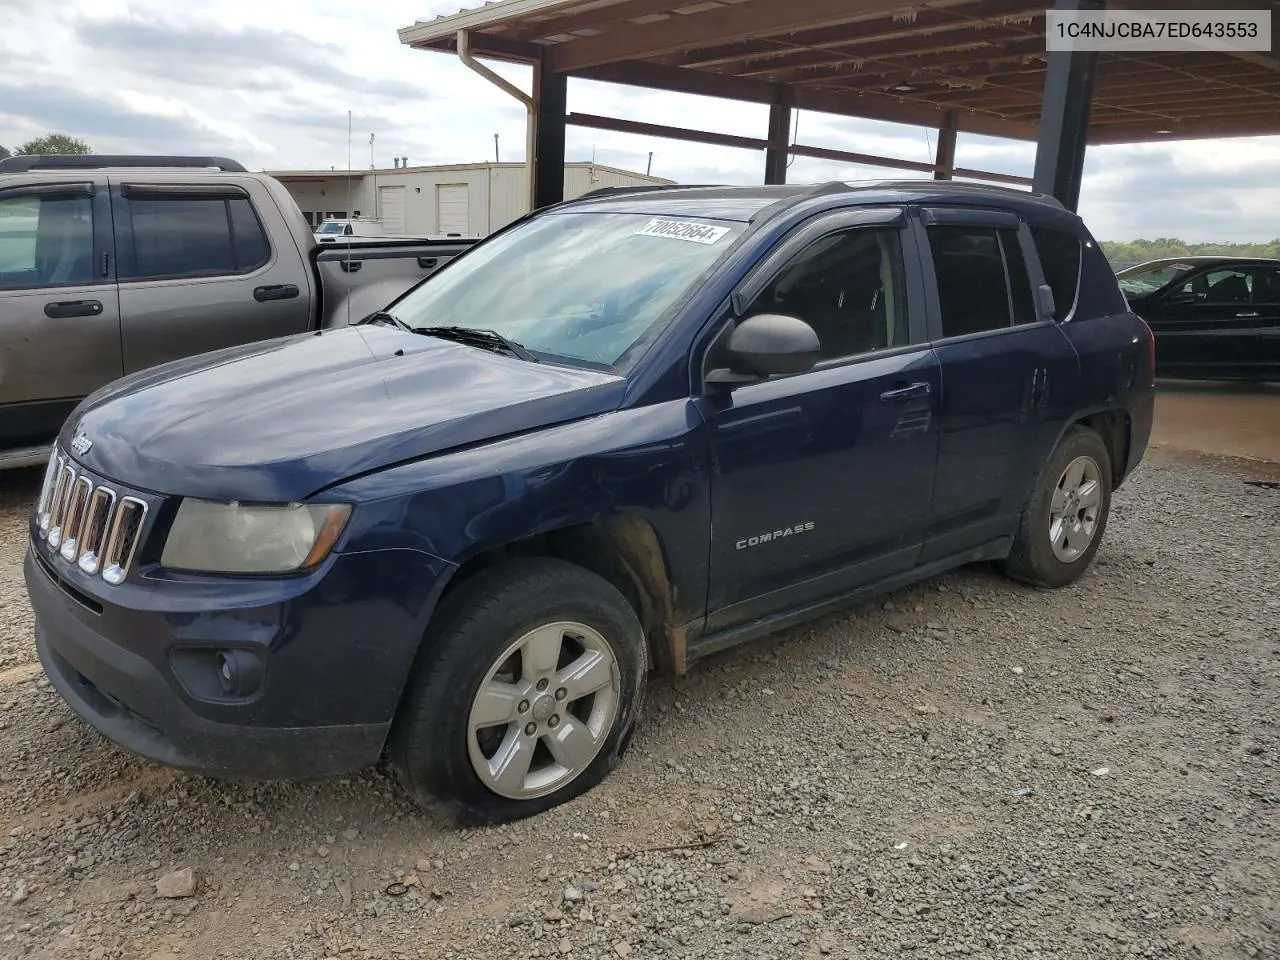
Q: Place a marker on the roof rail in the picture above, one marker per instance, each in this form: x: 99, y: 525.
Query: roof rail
x: 639, y: 188
x: 62, y: 161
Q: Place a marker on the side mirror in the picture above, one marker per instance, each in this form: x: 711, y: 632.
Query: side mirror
x: 766, y: 345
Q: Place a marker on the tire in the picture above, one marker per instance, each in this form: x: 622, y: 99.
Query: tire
x: 1051, y: 554
x: 497, y: 631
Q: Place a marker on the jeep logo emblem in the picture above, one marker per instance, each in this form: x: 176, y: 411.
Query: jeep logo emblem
x: 81, y: 444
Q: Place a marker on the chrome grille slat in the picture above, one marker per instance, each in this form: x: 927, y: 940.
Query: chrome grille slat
x: 94, y: 533
x: 88, y: 523
x: 51, y: 474
x: 122, y: 541
x: 61, y: 503
x: 77, y: 506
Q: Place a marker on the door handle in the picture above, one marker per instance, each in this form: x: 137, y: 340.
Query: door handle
x: 276, y: 291
x: 73, y: 308
x: 1251, y: 313
x: 909, y: 392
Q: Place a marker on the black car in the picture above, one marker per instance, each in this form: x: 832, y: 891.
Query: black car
x: 1213, y: 317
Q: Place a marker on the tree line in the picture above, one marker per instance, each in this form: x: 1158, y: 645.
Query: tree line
x: 51, y: 143
x: 1138, y: 251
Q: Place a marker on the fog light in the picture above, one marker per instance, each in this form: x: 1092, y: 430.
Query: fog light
x: 239, y: 672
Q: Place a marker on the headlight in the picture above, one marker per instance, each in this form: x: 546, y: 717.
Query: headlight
x: 252, y: 538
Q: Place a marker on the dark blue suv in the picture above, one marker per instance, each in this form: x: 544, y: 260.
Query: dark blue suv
x: 618, y: 435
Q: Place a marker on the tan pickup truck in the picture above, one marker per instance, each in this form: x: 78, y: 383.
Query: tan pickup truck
x: 112, y: 264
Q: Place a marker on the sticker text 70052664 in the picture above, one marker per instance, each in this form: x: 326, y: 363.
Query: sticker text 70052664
x: 683, y: 230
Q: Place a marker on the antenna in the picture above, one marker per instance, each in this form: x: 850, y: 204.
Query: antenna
x: 649, y: 167
x: 496, y: 158
x: 795, y: 137
x: 349, y: 207
x: 373, y: 167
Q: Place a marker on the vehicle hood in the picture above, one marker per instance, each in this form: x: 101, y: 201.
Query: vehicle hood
x: 281, y: 419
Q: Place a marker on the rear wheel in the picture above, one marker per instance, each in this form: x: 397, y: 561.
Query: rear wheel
x: 1067, y: 513
x: 531, y: 689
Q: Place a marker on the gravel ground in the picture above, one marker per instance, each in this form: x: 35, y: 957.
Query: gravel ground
x: 971, y: 769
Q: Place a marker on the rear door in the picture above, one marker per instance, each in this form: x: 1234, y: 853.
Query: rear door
x: 1266, y: 304
x: 201, y: 270
x: 1005, y: 368
x: 59, y: 308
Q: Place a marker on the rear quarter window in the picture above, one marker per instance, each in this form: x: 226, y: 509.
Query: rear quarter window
x: 1059, y: 254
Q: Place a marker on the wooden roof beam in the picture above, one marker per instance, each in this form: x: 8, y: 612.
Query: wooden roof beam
x: 903, y: 54
x: 942, y: 68
x: 812, y: 47
x: 615, y: 14
x: 868, y: 106
x: 756, y: 18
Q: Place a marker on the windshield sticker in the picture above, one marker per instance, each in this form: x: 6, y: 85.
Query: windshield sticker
x: 682, y: 230
x: 1180, y: 266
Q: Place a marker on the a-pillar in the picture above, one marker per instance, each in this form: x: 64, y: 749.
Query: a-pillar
x: 1064, y: 116
x: 550, y: 90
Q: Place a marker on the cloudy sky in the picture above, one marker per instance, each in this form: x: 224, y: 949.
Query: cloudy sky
x: 270, y: 83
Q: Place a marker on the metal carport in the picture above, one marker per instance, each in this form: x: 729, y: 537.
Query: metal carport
x: 973, y: 65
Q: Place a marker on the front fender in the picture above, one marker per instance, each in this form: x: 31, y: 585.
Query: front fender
x: 648, y: 462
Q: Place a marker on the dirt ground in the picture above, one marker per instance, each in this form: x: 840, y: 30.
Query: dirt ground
x: 968, y: 768
x: 1223, y: 419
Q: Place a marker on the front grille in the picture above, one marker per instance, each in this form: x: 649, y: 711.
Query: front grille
x: 88, y: 523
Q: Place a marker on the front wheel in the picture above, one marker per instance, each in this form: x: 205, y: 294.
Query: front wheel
x: 531, y: 687
x: 1063, y: 522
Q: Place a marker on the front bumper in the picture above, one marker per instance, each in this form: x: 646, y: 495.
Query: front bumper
x: 337, y: 650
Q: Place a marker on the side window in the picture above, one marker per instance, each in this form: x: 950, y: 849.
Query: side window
x: 1228, y: 286
x: 847, y: 286
x: 1266, y: 286
x: 45, y: 241
x: 1060, y: 260
x: 178, y: 237
x: 982, y: 278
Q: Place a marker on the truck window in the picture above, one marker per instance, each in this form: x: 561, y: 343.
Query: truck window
x: 982, y: 277
x: 45, y: 241
x: 848, y: 287
x: 1060, y: 260
x: 178, y: 237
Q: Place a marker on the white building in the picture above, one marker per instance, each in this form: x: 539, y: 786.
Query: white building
x: 470, y: 199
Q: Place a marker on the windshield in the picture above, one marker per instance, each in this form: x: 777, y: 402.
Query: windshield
x: 1150, y: 277
x: 580, y: 287
x: 329, y: 228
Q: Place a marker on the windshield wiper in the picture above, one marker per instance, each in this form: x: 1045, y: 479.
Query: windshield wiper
x: 382, y: 316
x: 485, y: 339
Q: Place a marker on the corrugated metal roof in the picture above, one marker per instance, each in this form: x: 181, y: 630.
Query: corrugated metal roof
x: 896, y: 60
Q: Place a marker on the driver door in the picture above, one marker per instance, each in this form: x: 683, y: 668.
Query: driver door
x: 1203, y: 325
x: 822, y: 480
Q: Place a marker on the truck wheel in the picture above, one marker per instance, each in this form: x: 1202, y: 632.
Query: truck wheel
x: 1066, y: 516
x: 529, y: 694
